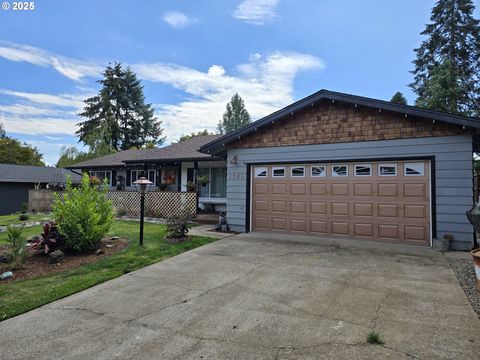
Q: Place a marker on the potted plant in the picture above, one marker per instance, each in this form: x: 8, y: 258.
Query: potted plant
x: 191, y: 186
x: 203, y: 180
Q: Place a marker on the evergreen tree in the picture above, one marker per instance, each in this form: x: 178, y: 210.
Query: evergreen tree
x: 453, y: 46
x: 398, y: 98
x: 235, y: 116
x: 3, y: 134
x: 118, y: 116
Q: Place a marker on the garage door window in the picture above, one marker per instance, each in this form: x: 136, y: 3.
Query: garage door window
x: 387, y: 169
x: 363, y: 170
x: 278, y: 172
x: 260, y: 172
x: 414, y: 169
x: 318, y: 171
x: 339, y: 170
x: 298, y: 171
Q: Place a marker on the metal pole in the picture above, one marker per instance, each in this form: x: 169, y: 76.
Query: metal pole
x: 142, y: 209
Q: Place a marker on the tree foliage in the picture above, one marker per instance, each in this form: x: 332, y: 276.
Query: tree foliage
x: 118, y: 116
x: 70, y: 155
x: 398, y: 98
x: 235, y: 116
x: 12, y: 151
x: 447, y: 64
x: 194, y: 134
x: 83, y: 215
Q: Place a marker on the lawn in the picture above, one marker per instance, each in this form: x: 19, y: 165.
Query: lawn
x: 20, y: 296
x: 6, y: 220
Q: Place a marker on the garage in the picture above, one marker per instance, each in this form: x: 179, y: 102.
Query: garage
x: 382, y: 200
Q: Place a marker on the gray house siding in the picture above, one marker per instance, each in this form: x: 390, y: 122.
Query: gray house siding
x: 453, y: 175
x: 13, y: 195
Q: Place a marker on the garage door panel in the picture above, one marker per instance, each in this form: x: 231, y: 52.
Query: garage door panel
x: 386, y: 205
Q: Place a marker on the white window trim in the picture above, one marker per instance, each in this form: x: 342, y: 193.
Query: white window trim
x: 334, y: 174
x: 394, y: 165
x: 297, y: 167
x: 363, y: 165
x: 279, y: 168
x: 258, y: 170
x: 322, y: 175
x: 138, y: 172
x: 94, y: 173
x: 422, y: 172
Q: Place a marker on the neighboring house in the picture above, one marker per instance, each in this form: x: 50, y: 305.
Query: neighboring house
x: 169, y: 168
x: 334, y: 164
x: 16, y: 180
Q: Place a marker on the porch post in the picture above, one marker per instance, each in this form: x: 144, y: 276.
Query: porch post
x: 195, y: 177
x: 179, y: 177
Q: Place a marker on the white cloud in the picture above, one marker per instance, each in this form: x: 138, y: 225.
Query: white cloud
x: 257, y: 12
x: 177, y: 19
x: 265, y: 83
x: 39, y: 126
x: 70, y: 68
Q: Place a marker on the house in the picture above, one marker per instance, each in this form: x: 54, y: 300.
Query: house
x: 334, y: 164
x: 169, y: 168
x: 16, y: 180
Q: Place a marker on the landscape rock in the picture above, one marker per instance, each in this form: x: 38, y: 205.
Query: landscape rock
x: 114, y: 238
x: 6, y: 275
x: 55, y: 257
x: 110, y: 246
x: 5, y: 259
x: 100, y: 252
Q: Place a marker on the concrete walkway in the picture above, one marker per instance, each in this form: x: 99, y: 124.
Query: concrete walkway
x: 261, y: 297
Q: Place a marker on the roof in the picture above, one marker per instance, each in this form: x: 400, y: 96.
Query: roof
x: 182, y: 151
x: 35, y: 174
x: 218, y: 145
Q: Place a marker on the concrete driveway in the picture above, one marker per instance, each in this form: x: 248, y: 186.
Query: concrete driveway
x: 260, y: 296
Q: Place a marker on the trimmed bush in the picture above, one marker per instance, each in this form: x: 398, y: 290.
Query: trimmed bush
x: 23, y: 217
x: 178, y: 226
x: 83, y: 215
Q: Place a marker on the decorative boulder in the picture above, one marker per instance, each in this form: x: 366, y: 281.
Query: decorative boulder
x: 6, y: 275
x: 5, y: 258
x: 55, y: 257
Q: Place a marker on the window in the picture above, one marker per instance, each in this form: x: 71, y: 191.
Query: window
x: 340, y: 170
x: 414, y: 169
x: 278, y: 172
x: 137, y: 174
x: 103, y: 175
x: 297, y: 171
x: 363, y: 170
x: 318, y: 171
x: 387, y: 169
x: 260, y: 172
x: 216, y: 187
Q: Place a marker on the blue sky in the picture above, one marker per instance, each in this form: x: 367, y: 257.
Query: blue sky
x: 192, y: 56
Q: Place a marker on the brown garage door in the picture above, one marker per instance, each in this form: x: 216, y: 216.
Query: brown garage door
x: 376, y: 200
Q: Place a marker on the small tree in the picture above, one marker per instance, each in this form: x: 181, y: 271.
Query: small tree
x: 398, y: 98
x: 83, y: 215
x: 18, y: 243
x: 235, y: 116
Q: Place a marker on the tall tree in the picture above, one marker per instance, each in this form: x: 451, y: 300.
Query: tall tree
x: 118, y: 116
x: 452, y: 46
x: 194, y: 134
x: 12, y: 151
x: 398, y: 98
x: 3, y: 133
x: 235, y: 116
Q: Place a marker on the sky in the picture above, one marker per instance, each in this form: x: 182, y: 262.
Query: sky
x: 192, y: 56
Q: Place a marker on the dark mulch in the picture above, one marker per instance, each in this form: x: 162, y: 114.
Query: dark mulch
x: 37, y: 265
x: 465, y: 273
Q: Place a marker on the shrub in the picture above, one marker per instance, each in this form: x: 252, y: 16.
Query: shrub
x: 23, y: 217
x: 178, y: 226
x: 121, y: 211
x: 83, y: 215
x: 18, y: 243
x: 24, y: 208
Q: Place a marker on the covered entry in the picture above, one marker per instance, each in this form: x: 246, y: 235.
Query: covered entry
x: 373, y: 200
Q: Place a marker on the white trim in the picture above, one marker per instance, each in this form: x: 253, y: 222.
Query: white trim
x: 297, y: 167
x: 323, y: 174
x: 136, y: 171
x: 369, y: 166
x: 418, y: 167
x: 394, y: 165
x: 257, y: 170
x: 334, y: 174
x: 279, y: 168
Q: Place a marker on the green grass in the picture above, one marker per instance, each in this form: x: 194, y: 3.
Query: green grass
x: 20, y: 296
x: 373, y: 337
x: 6, y: 220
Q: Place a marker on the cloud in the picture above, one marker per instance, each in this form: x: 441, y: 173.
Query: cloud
x: 177, y: 19
x: 257, y: 12
x: 70, y: 68
x: 265, y: 83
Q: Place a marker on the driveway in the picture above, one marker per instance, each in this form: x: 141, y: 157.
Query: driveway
x: 256, y: 296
